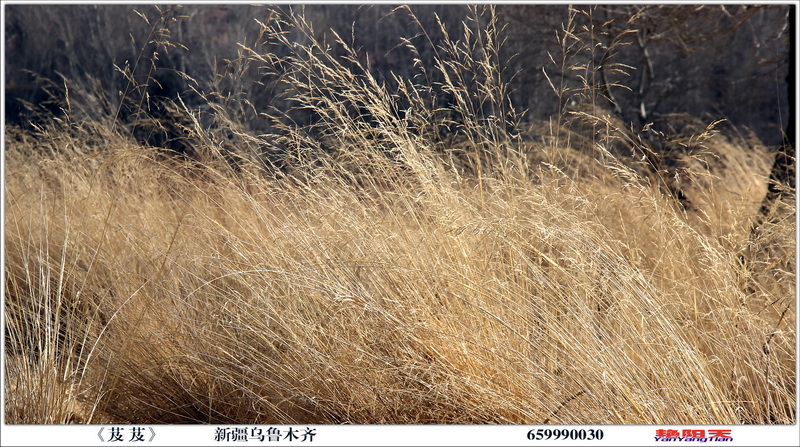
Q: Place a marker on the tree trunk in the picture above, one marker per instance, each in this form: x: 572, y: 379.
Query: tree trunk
x: 783, y: 168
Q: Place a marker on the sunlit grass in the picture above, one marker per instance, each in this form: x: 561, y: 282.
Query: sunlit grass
x: 379, y: 275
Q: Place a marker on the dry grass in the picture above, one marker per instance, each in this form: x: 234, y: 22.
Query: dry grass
x: 384, y: 275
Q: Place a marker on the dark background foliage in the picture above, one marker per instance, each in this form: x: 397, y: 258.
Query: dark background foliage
x: 711, y: 61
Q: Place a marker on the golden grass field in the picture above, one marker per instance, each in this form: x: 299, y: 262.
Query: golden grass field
x: 382, y: 275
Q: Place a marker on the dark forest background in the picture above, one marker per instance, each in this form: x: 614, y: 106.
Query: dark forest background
x: 711, y: 61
